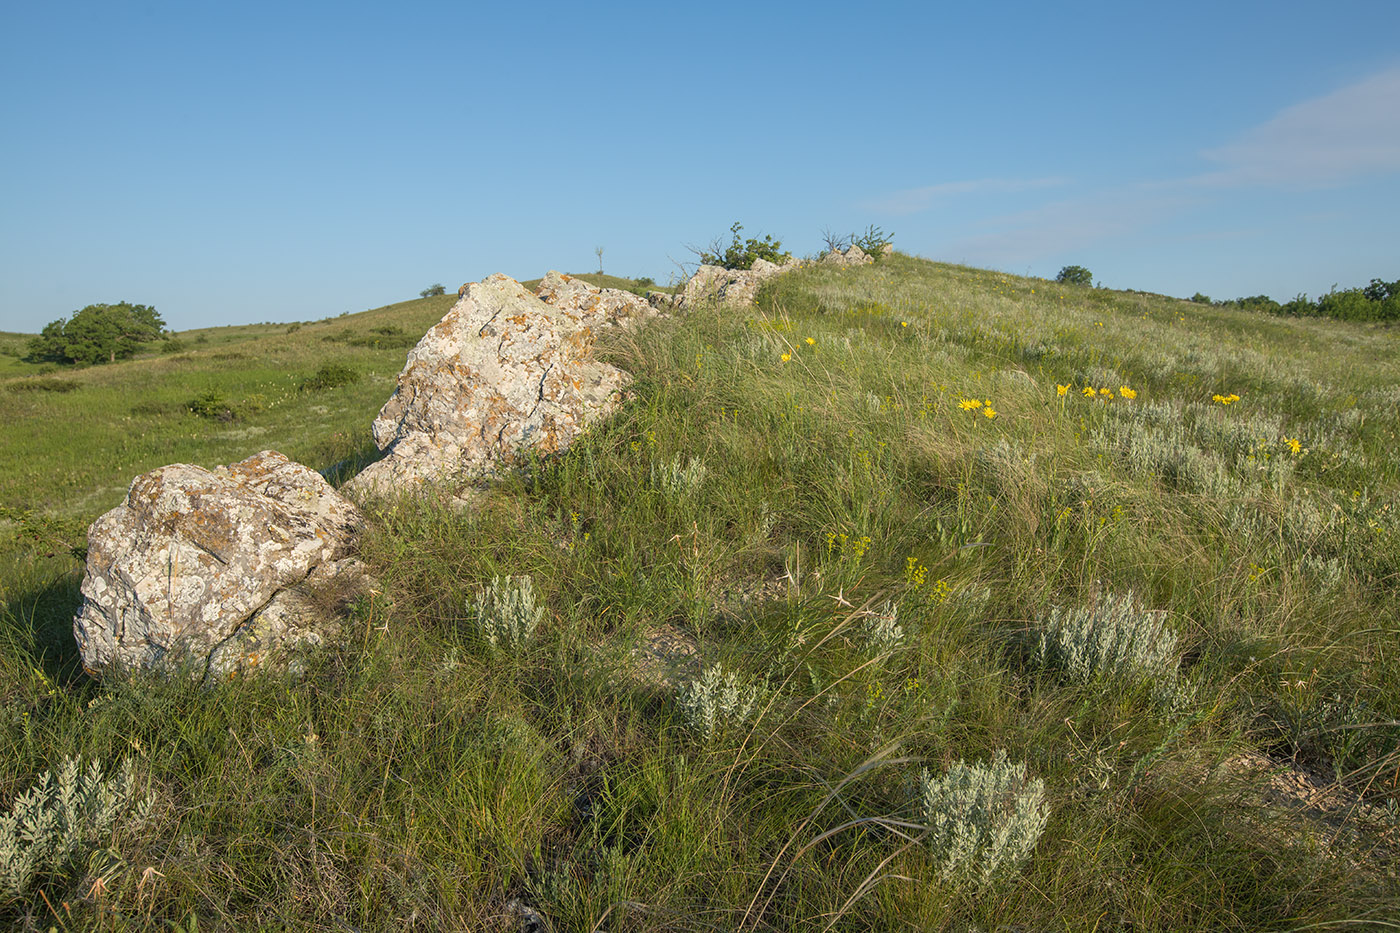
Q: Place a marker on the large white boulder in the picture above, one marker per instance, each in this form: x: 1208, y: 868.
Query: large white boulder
x: 502, y: 373
x: 217, y: 569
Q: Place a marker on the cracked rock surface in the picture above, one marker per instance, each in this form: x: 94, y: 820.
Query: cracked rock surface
x: 502, y: 373
x: 216, y: 568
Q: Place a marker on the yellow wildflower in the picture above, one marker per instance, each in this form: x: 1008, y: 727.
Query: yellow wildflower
x: 1106, y: 392
x: 1127, y: 392
x: 786, y: 357
x: 968, y: 404
x: 1293, y: 444
x: 1061, y: 389
x: 1225, y: 399
x: 811, y: 341
x: 903, y: 323
x: 989, y: 412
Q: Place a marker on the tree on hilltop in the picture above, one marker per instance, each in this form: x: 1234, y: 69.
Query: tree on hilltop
x: 99, y: 333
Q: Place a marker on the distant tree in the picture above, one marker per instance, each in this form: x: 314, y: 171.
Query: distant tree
x: 1200, y: 299
x: 432, y: 291
x: 97, y: 334
x: 599, y: 251
x: 1075, y: 275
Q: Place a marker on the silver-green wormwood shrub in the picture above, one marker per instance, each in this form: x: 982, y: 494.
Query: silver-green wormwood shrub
x: 882, y: 631
x: 716, y: 701
x: 507, y: 613
x: 1115, y: 639
x: 677, y: 481
x: 60, y: 819
x: 982, y: 819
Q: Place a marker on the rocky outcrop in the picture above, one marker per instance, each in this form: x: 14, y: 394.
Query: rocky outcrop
x: 589, y: 305
x: 225, y: 570
x: 852, y: 256
x: 502, y: 373
x: 736, y: 287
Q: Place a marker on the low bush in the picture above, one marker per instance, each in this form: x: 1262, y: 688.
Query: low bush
x: 62, y: 818
x: 1075, y: 275
x: 741, y: 253
x: 716, y: 702
x: 507, y: 613
x: 212, y: 404
x: 983, y: 820
x: 329, y: 376
x: 43, y: 385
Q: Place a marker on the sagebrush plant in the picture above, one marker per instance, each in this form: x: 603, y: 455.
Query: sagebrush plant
x: 983, y: 819
x: 62, y: 818
x: 717, y: 701
x: 1116, y: 638
x: 507, y: 612
x: 676, y: 480
x: 881, y: 628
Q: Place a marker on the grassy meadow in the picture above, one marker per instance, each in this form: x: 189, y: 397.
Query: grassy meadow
x: 862, y: 522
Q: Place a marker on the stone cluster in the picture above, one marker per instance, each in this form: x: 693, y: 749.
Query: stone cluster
x: 240, y: 568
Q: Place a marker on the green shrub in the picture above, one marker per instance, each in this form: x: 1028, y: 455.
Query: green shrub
x: 44, y: 385
x: 740, y: 253
x: 329, y: 376
x: 60, y: 819
x: 982, y: 819
x: 716, y: 701
x: 507, y: 613
x: 212, y: 404
x: 1075, y: 275
x: 1117, y: 640
x: 873, y: 241
x: 432, y: 291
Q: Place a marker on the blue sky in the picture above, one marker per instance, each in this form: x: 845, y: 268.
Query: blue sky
x: 230, y: 163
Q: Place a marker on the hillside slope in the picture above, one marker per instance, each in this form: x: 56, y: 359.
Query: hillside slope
x: 894, y: 519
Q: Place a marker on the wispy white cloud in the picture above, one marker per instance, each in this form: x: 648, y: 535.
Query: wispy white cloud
x: 1062, y: 226
x: 1328, y: 140
x: 914, y: 200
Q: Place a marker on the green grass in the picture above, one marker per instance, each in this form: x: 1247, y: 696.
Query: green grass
x: 420, y: 777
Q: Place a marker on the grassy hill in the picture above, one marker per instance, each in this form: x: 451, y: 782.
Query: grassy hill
x: 894, y: 519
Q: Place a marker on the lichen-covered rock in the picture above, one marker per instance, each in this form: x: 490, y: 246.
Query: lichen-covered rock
x: 589, y: 305
x: 501, y: 374
x: 735, y: 287
x: 177, y: 571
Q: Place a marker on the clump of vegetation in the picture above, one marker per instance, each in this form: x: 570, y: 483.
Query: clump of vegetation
x: 717, y: 701
x: 432, y: 291
x: 983, y: 820
x: 43, y: 385
x: 743, y: 253
x: 507, y: 612
x: 384, y: 337
x: 873, y: 241
x: 99, y: 333
x: 329, y: 376
x: 62, y: 818
x: 1378, y: 301
x: 1115, y: 639
x: 1075, y: 275
x: 212, y: 404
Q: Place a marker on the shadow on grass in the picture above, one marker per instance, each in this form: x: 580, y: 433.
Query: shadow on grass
x: 38, y: 622
x: 346, y: 468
